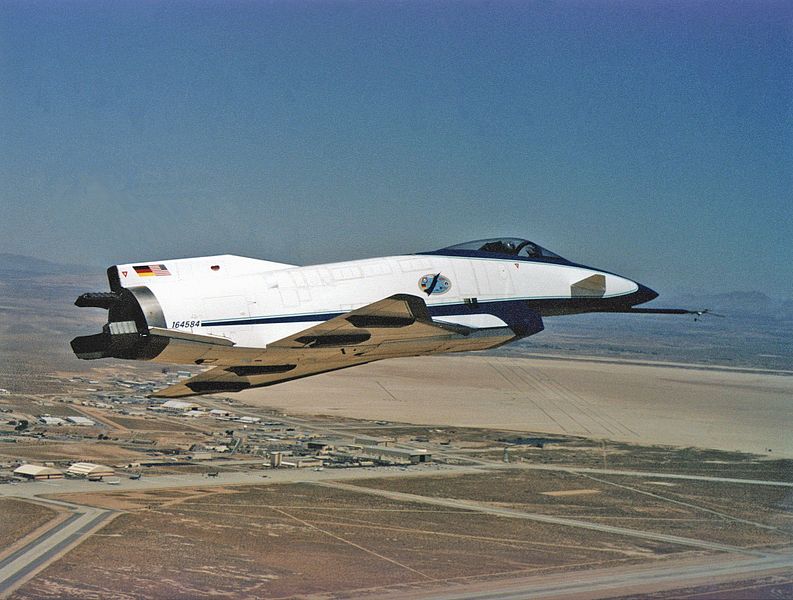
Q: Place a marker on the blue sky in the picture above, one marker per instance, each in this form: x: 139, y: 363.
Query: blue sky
x: 649, y: 139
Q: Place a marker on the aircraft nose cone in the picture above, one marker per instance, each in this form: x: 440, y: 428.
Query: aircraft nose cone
x: 643, y: 294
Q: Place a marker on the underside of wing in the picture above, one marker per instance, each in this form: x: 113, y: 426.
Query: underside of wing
x: 396, y: 326
x: 235, y: 379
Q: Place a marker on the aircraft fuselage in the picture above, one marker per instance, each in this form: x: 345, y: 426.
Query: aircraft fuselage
x: 260, y: 319
x: 255, y: 308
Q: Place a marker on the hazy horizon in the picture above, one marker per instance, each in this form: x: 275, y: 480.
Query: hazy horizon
x: 732, y: 295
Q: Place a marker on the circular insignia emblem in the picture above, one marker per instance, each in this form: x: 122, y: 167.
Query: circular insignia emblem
x: 434, y: 283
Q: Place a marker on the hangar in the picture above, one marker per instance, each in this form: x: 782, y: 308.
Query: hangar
x: 38, y: 472
x: 89, y: 470
x: 179, y: 406
x: 404, y: 455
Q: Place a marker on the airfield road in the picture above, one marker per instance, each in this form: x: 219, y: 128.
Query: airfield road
x: 637, y: 403
x: 41, y: 489
x: 644, y: 474
x: 267, y: 476
x: 609, y: 583
x: 542, y: 518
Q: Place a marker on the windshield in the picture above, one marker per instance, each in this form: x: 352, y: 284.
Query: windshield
x: 506, y: 247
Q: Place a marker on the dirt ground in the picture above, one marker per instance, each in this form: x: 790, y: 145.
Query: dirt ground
x: 57, y: 451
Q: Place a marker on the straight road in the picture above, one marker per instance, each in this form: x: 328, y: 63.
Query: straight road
x: 34, y: 489
x: 38, y: 489
x: 645, y: 474
x: 607, y: 583
x: 516, y: 514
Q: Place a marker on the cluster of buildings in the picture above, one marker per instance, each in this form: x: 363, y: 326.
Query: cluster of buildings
x: 250, y: 438
x: 191, y: 409
x: 360, y: 451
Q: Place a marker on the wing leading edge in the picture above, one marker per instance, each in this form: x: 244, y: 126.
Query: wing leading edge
x: 394, y: 327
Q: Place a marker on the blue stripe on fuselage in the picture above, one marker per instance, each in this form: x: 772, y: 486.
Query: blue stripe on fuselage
x: 439, y: 310
x: 304, y: 318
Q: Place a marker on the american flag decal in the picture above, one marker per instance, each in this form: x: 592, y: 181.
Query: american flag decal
x: 151, y: 270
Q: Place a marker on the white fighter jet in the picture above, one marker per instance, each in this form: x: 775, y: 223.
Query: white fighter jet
x: 258, y: 323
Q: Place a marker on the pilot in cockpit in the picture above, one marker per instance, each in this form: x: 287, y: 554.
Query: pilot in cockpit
x: 512, y: 248
x: 531, y: 250
x: 500, y: 247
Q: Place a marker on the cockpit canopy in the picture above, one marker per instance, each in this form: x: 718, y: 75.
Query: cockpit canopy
x: 501, y: 247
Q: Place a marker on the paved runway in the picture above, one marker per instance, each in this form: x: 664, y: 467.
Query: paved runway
x: 36, y: 554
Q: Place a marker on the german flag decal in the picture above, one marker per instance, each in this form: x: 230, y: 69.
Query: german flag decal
x: 151, y: 270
